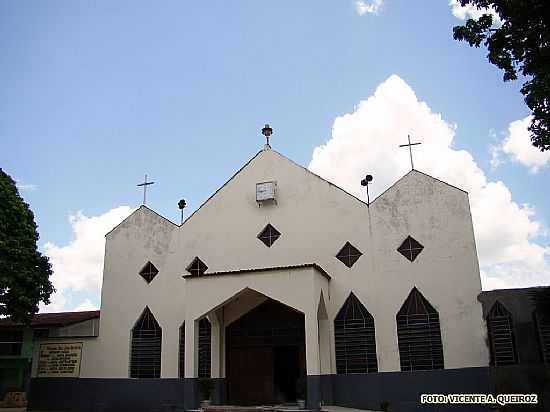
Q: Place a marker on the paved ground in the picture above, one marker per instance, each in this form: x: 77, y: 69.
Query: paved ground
x: 326, y: 408
x: 330, y: 408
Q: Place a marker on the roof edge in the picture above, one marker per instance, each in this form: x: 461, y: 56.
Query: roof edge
x: 262, y: 269
x: 422, y: 173
x: 137, y: 210
x: 221, y: 187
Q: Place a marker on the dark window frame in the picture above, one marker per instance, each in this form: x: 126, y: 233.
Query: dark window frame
x: 205, y: 348
x: 410, y: 248
x: 419, y: 334
x: 181, y: 354
x: 348, y: 254
x: 146, y: 347
x: 197, y: 267
x: 11, y: 342
x: 500, y: 330
x: 269, y: 235
x: 355, y: 338
x: 148, y: 272
x: 542, y: 327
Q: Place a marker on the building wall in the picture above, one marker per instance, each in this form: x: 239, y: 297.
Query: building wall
x: 521, y: 305
x: 87, y: 328
x: 315, y: 219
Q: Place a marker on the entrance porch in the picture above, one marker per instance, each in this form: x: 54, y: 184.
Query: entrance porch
x: 270, y: 335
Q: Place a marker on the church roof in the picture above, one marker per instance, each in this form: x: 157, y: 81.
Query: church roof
x: 54, y: 319
x: 381, y: 195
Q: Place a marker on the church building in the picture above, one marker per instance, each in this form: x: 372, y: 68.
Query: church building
x: 281, y: 287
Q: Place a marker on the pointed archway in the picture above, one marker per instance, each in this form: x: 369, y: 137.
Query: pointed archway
x: 145, y: 347
x: 265, y: 351
x: 419, y: 334
x: 355, y: 338
x: 501, y: 335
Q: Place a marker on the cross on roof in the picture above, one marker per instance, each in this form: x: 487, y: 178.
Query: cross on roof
x: 144, y: 185
x: 410, y: 149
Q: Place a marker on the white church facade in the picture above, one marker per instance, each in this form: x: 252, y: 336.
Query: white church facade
x: 283, y: 286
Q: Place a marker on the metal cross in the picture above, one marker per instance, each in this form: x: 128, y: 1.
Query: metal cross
x: 410, y: 149
x: 145, y: 184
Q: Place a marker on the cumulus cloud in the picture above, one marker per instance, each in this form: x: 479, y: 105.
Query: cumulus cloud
x: 367, y: 140
x: 78, y: 266
x: 372, y: 7
x: 471, y: 12
x: 517, y: 147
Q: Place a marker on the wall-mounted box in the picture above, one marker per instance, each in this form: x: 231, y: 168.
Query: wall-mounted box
x: 266, y: 191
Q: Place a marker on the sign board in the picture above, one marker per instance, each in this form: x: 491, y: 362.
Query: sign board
x: 59, y: 360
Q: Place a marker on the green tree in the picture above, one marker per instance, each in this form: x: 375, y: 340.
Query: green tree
x: 518, y: 46
x: 24, y: 271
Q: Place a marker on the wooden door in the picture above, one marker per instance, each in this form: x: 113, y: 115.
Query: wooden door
x: 250, y: 375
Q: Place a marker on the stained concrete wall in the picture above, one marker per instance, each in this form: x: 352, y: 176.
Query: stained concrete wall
x: 315, y: 219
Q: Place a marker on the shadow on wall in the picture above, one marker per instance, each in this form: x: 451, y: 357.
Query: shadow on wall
x: 106, y: 395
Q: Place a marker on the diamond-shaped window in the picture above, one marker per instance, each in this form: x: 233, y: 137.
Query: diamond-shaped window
x: 410, y: 248
x: 348, y: 255
x: 148, y: 272
x: 197, y: 267
x: 269, y: 235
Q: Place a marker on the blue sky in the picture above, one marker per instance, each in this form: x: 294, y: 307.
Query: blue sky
x: 96, y: 94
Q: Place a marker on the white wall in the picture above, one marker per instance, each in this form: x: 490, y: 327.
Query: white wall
x: 315, y: 219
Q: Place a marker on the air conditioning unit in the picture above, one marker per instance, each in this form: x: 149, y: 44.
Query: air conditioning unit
x: 266, y: 192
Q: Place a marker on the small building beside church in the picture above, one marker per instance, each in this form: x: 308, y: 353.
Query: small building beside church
x: 18, y: 341
x: 281, y: 287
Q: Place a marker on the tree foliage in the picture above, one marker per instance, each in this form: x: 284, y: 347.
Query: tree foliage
x: 24, y: 271
x: 519, y: 46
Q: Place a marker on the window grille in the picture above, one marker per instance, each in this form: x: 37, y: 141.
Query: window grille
x: 11, y: 342
x: 410, y: 248
x: 182, y: 352
x: 348, y: 255
x: 148, y: 272
x: 269, y: 235
x: 197, y: 267
x: 205, y: 346
x: 355, y: 340
x: 501, y: 336
x: 419, y: 334
x: 146, y: 347
x: 543, y: 328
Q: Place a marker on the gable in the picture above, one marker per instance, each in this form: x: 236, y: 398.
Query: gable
x: 266, y: 165
x: 142, y: 219
x: 419, y: 189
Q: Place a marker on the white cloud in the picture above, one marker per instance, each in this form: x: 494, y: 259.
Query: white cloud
x: 78, y: 266
x: 86, y: 305
x: 471, y: 12
x: 518, y: 147
x: 367, y: 140
x: 372, y: 7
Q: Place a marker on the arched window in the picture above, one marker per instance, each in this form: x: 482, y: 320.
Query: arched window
x: 501, y: 336
x: 182, y: 352
x: 418, y: 334
x: 355, y: 340
x: 146, y: 347
x: 205, y: 336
